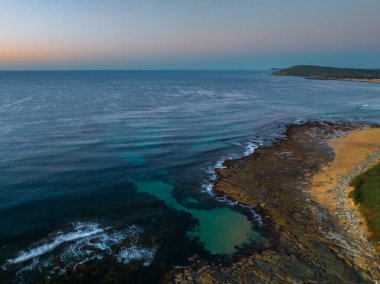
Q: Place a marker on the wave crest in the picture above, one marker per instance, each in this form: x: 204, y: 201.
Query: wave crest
x: 82, y: 242
x: 208, y: 185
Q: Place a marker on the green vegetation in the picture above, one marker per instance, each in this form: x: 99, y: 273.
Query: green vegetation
x: 329, y: 73
x: 366, y: 193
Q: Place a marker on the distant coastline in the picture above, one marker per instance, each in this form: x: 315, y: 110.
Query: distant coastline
x: 331, y: 73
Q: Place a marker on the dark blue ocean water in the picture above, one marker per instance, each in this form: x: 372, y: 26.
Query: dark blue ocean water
x: 114, y: 167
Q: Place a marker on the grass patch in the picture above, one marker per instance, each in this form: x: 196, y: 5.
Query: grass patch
x: 366, y: 194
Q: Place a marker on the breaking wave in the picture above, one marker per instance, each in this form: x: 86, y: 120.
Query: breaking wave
x: 208, y: 185
x: 82, y: 242
x: 251, y: 148
x: 81, y: 230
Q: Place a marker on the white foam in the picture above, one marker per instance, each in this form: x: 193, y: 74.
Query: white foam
x: 137, y: 253
x: 220, y: 164
x: 85, y: 241
x: 208, y: 185
x: 250, y: 148
x: 81, y: 230
x: 254, y: 215
x: 34, y: 264
x: 371, y: 106
x: 94, y: 247
x: 299, y: 121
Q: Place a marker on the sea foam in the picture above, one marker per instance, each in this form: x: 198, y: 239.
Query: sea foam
x: 139, y: 253
x: 80, y: 230
x: 82, y: 242
x: 251, y: 148
x: 208, y: 185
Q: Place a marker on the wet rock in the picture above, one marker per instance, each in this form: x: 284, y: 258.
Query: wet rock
x: 304, y: 242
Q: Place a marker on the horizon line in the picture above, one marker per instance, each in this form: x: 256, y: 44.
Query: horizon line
x: 121, y: 70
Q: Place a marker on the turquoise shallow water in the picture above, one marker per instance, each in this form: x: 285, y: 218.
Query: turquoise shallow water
x: 122, y: 161
x: 220, y: 230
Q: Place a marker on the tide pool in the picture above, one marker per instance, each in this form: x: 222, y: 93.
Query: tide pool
x: 221, y: 230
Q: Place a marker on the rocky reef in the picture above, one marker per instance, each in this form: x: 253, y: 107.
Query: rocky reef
x: 305, y: 242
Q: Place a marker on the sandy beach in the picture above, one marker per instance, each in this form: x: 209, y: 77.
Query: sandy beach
x: 363, y: 80
x: 354, y: 153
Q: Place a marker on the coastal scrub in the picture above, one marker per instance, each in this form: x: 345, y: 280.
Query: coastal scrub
x: 366, y: 194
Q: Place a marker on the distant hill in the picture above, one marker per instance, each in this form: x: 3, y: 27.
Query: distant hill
x: 330, y: 73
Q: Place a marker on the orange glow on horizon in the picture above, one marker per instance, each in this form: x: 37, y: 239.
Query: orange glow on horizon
x: 41, y: 53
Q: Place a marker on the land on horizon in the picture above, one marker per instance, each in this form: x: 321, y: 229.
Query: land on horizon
x: 331, y: 73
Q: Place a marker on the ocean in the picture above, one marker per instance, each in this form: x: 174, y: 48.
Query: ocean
x: 113, y: 170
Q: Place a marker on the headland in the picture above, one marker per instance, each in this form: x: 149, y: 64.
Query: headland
x: 331, y: 73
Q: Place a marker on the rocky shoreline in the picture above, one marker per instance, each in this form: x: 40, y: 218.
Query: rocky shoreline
x: 351, y: 221
x: 304, y: 241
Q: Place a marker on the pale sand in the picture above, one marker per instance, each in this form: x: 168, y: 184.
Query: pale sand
x: 363, y: 80
x: 354, y: 153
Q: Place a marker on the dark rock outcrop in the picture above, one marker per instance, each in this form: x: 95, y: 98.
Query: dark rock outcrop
x: 306, y: 243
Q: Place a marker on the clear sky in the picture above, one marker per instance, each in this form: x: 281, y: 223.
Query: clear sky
x: 188, y: 34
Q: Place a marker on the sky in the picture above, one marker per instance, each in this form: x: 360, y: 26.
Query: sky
x: 188, y: 34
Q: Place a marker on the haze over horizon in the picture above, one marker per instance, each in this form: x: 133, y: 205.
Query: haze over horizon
x: 169, y: 34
